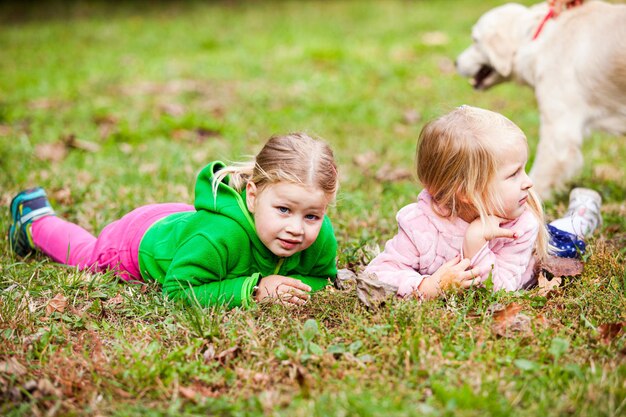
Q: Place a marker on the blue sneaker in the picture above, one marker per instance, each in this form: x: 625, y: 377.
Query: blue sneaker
x: 26, y: 207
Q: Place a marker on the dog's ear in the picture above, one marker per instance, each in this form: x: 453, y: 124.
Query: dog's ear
x: 500, y: 50
x: 499, y: 32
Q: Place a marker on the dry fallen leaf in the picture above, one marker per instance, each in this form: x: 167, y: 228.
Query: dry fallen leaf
x: 388, y: 173
x: 71, y: 142
x: 188, y: 393
x: 345, y: 280
x: 118, y: 299
x: 372, y: 292
x: 411, y: 116
x: 209, y: 353
x: 365, y: 160
x: 63, y: 196
x: 58, y: 303
x: 562, y: 267
x: 446, y: 66
x: 547, y: 286
x: 228, y: 354
x: 5, y: 130
x: 610, y: 331
x: 435, y: 38
x: 53, y: 152
x: 510, y: 322
x: 44, y: 103
x: 12, y: 367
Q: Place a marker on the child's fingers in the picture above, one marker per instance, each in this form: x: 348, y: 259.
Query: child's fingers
x: 470, y: 278
x: 457, y: 263
x: 294, y: 296
x: 296, y: 283
x: 501, y: 232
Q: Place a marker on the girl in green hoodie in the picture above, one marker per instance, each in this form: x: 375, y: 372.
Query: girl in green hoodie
x: 257, y: 231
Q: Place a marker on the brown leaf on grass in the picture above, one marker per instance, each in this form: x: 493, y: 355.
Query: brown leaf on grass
x: 411, y: 116
x: 607, y: 172
x: 372, y: 292
x: 541, y: 321
x: 388, y: 173
x: 547, y: 286
x: 446, y: 65
x: 172, y: 109
x: 44, y: 103
x: 196, y: 392
x: 63, y: 196
x: 228, y: 354
x: 35, y: 389
x: 435, y: 38
x: 346, y: 279
x: 365, y: 160
x: 118, y: 299
x: 204, y: 133
x: 58, y: 303
x: 5, y: 130
x: 71, y: 142
x: 45, y: 388
x: 188, y: 393
x: 609, y: 331
x: 126, y: 148
x: 57, y: 151
x: 562, y: 267
x: 209, y: 353
x: 11, y: 366
x: 510, y: 322
x: 261, y: 379
x: 305, y: 381
x: 105, y: 119
x: 52, y: 152
x: 197, y: 135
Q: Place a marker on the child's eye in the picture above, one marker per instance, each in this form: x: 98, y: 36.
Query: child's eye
x: 283, y: 209
x: 514, y: 174
x: 311, y: 217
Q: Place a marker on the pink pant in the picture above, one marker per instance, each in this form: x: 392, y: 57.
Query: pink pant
x: 116, y: 248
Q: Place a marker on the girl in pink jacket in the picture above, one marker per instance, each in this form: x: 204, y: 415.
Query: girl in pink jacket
x: 478, y: 215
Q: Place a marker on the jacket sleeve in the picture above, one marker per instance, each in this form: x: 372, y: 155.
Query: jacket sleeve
x: 397, y: 265
x: 507, y: 259
x: 197, y: 274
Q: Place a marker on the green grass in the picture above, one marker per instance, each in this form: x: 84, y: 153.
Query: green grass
x: 162, y: 89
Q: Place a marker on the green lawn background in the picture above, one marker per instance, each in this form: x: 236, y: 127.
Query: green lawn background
x: 152, y: 91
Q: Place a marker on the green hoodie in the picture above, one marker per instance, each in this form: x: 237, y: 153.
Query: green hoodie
x: 214, y: 255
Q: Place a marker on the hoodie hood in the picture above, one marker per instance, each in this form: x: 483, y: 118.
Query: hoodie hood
x: 225, y: 201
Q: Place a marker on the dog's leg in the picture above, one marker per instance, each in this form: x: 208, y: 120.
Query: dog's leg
x: 559, y: 157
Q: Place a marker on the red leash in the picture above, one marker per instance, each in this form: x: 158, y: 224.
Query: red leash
x: 548, y: 16
x: 551, y: 14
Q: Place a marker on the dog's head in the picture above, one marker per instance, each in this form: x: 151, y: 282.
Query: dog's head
x: 495, y: 39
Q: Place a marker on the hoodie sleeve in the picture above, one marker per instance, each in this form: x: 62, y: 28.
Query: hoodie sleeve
x: 510, y: 261
x: 198, y: 273
x: 399, y: 263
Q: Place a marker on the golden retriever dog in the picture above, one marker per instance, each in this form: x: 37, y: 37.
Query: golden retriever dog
x: 576, y: 64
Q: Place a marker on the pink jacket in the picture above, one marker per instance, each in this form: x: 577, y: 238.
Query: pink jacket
x: 425, y: 241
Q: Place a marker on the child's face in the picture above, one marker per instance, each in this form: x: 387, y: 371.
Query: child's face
x: 288, y: 216
x: 512, y: 183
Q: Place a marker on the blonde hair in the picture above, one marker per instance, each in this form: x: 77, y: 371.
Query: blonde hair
x: 457, y: 156
x: 296, y: 158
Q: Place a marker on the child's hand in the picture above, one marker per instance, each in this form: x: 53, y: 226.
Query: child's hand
x: 453, y: 273
x: 493, y: 230
x: 283, y: 289
x: 478, y: 234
